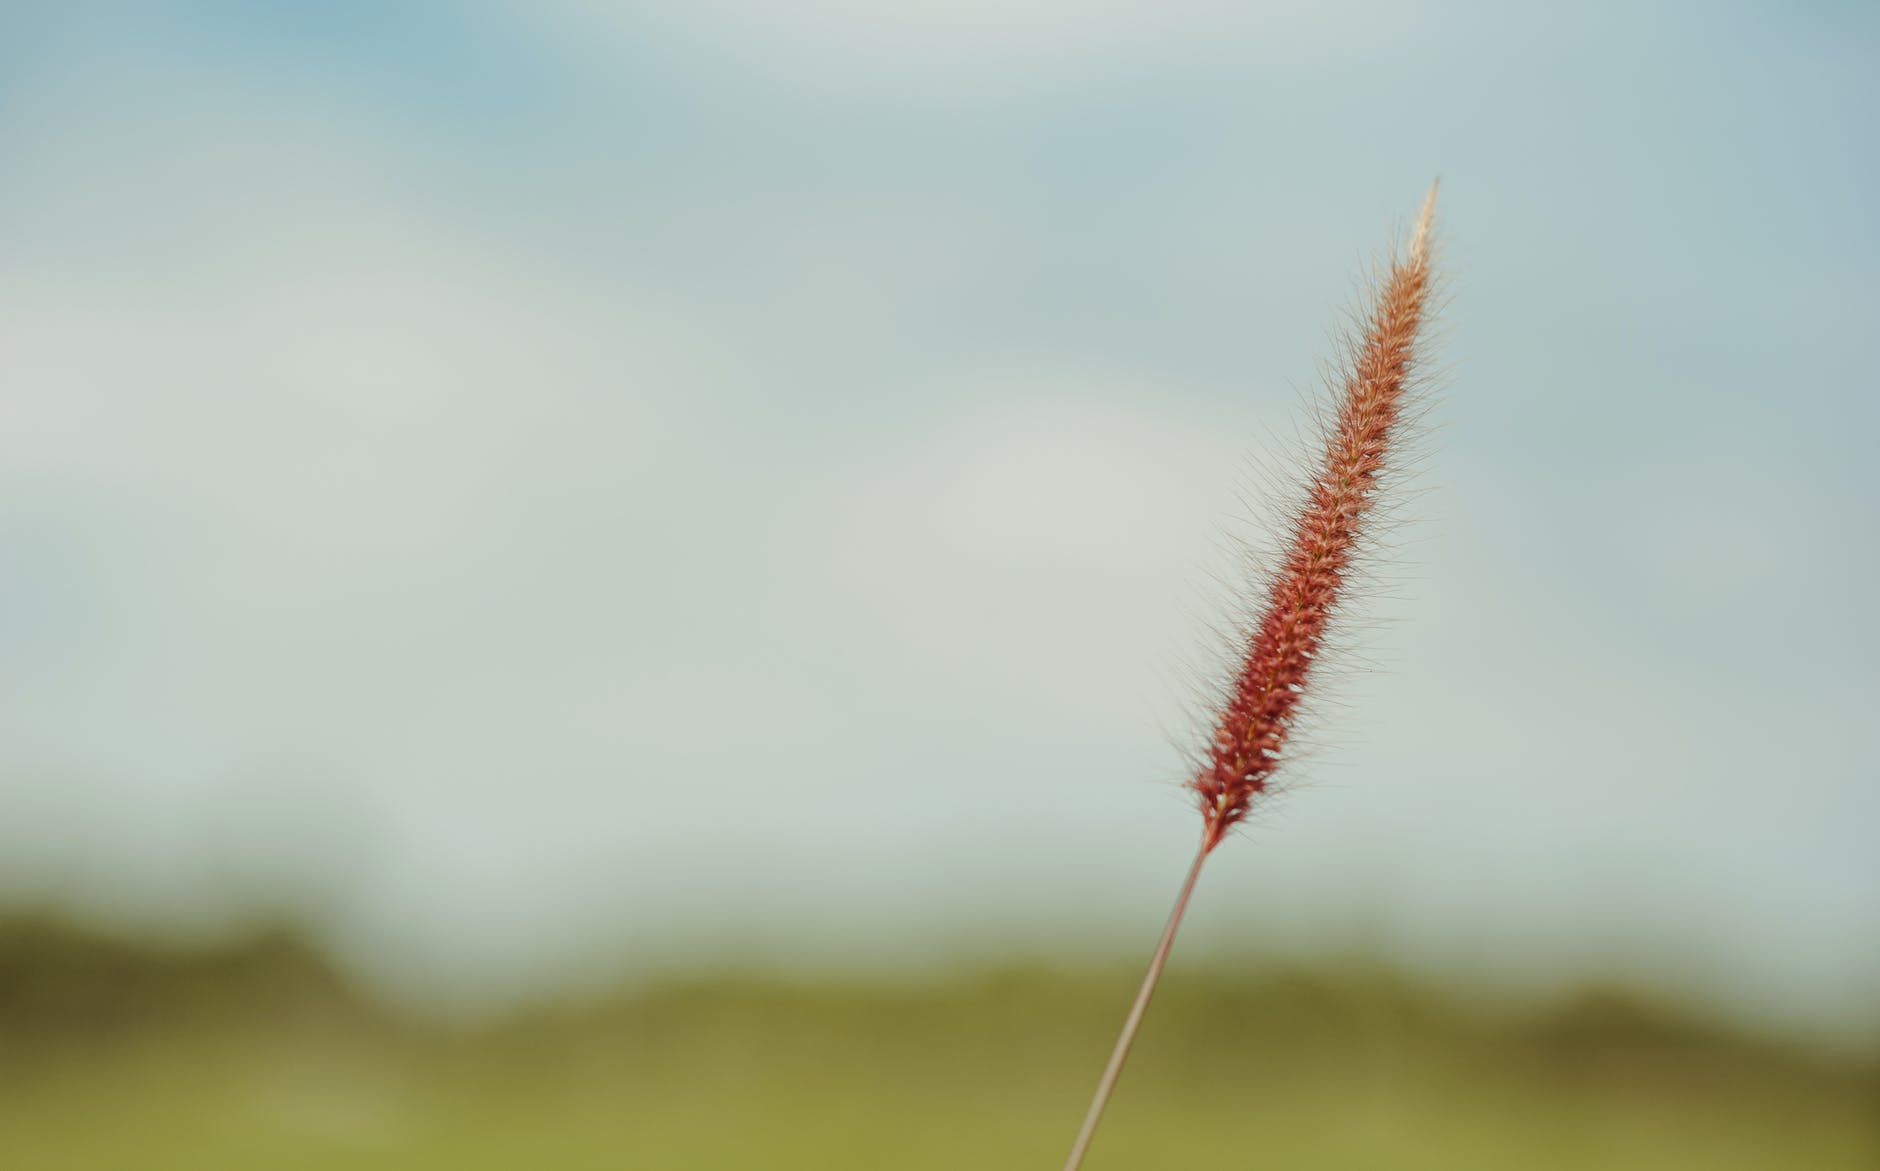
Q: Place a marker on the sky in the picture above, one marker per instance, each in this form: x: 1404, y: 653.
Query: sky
x: 575, y: 488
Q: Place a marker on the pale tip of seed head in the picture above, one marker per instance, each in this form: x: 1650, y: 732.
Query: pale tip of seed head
x: 1420, y: 239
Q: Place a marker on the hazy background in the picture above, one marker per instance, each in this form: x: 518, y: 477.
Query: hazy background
x: 544, y: 493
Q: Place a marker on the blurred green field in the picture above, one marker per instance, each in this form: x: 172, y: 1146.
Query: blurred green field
x: 254, y: 1057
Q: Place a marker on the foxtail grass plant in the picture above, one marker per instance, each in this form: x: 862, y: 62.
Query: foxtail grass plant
x: 1361, y: 436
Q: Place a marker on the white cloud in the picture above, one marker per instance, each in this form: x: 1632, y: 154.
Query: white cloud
x: 1006, y: 562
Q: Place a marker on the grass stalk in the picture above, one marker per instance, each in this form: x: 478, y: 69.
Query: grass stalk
x: 1106, y: 1085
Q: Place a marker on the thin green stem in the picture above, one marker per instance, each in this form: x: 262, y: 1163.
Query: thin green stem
x: 1107, y: 1084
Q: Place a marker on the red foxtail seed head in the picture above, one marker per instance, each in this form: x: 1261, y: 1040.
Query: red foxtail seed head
x: 1276, y: 661
x: 1262, y: 700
